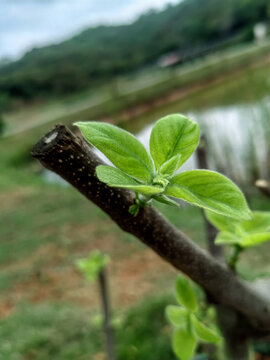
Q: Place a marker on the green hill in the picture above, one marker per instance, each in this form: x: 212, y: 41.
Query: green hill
x: 98, y: 54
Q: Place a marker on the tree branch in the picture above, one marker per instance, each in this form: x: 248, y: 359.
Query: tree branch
x: 73, y: 159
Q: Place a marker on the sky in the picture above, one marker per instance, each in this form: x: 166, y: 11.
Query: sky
x: 25, y: 24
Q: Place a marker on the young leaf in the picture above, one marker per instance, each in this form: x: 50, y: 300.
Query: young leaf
x: 225, y: 237
x: 260, y: 222
x: 173, y: 135
x: 170, y: 166
x: 244, y: 233
x: 203, y: 332
x: 178, y: 316
x: 221, y: 222
x: 92, y: 265
x: 254, y: 239
x: 120, y: 147
x: 184, y: 344
x: 211, y: 191
x: 185, y: 293
x: 117, y: 178
x: 166, y: 200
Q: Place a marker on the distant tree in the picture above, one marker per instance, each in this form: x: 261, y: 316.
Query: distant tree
x: 98, y: 54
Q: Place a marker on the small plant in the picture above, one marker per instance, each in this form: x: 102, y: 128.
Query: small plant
x: 153, y: 176
x: 94, y: 267
x: 241, y: 234
x: 189, y: 329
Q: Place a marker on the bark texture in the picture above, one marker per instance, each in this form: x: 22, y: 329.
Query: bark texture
x: 72, y: 158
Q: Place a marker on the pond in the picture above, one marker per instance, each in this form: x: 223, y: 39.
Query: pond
x: 234, y: 116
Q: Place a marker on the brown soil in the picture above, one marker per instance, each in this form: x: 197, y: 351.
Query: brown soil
x: 51, y: 275
x: 18, y: 196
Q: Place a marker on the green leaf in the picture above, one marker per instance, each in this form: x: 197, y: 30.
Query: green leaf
x: 184, y: 344
x: 254, y: 239
x: 221, y: 222
x: 185, y: 293
x: 166, y: 200
x: 211, y: 191
x: 225, y: 237
x: 244, y: 233
x: 260, y: 222
x: 173, y: 135
x: 203, y: 332
x: 120, y: 147
x: 170, y: 166
x: 117, y: 178
x: 178, y: 316
x: 92, y: 265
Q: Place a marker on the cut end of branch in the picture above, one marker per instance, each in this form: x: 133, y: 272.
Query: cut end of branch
x: 59, y: 134
x: 263, y: 186
x: 261, y: 183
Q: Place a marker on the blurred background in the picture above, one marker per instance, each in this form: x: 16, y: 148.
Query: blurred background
x: 129, y: 63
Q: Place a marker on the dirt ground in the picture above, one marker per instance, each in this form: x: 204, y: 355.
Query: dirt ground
x: 51, y: 274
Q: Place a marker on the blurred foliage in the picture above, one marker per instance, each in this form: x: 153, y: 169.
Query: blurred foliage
x: 99, y: 53
x: 91, y: 266
x: 144, y: 333
x: 48, y: 331
x: 66, y: 332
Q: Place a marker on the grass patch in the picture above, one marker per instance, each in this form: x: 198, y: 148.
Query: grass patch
x: 48, y: 331
x: 36, y: 215
x: 145, y: 333
x: 65, y: 332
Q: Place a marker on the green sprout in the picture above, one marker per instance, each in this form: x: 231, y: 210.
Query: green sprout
x: 153, y: 176
x: 94, y: 267
x: 188, y: 328
x: 93, y: 264
x: 241, y: 234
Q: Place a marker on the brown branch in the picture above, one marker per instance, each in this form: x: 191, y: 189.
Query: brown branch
x: 71, y: 158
